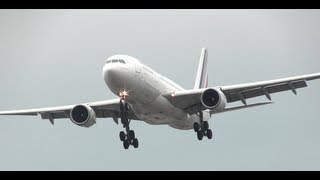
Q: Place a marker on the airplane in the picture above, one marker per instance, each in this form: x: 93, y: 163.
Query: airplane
x: 145, y: 95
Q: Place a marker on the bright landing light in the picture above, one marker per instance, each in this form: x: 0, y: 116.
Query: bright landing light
x: 123, y: 93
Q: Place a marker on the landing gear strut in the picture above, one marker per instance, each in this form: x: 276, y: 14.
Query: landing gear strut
x: 202, y: 129
x: 127, y: 137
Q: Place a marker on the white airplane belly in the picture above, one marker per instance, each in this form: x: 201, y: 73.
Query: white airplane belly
x: 162, y: 112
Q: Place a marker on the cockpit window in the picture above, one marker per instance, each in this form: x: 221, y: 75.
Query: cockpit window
x: 116, y: 61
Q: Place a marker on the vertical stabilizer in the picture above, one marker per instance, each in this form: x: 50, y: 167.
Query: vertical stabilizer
x: 202, y: 75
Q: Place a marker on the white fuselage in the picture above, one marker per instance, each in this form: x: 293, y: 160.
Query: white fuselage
x: 145, y: 88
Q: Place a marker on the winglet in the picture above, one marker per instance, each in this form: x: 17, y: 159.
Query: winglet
x: 202, y: 76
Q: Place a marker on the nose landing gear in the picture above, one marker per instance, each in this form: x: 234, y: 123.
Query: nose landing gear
x: 128, y: 137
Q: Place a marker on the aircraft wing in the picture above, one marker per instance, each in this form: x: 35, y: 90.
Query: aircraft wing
x: 189, y: 99
x: 265, y: 88
x: 103, y: 109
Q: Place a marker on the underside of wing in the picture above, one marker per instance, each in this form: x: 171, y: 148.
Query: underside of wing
x: 34, y: 112
x: 102, y: 109
x: 191, y: 100
x: 241, y: 92
x: 240, y: 107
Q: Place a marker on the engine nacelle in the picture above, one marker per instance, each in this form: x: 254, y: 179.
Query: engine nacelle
x: 213, y: 99
x: 83, y: 115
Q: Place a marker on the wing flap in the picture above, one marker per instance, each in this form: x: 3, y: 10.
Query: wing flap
x: 264, y: 90
x: 34, y: 112
x: 242, y: 87
x: 236, y: 92
x: 241, y: 107
x: 55, y: 115
x: 189, y: 100
x: 103, y: 109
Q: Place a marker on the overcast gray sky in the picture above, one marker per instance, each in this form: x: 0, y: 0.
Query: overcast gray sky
x: 55, y: 57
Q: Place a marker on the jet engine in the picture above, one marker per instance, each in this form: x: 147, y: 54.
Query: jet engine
x: 83, y: 115
x: 213, y: 99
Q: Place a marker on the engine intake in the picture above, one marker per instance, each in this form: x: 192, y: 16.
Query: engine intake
x: 213, y: 99
x: 83, y: 115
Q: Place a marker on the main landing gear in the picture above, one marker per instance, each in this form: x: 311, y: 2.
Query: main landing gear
x: 127, y: 137
x: 202, y: 129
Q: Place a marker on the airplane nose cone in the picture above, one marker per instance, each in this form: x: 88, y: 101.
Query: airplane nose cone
x: 114, y: 76
x: 109, y: 71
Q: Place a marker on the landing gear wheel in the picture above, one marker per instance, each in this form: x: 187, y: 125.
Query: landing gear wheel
x: 131, y: 135
x: 196, y: 127
x: 209, y: 134
x: 135, y: 143
x: 205, y: 125
x: 122, y: 136
x: 200, y: 135
x: 126, y: 144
